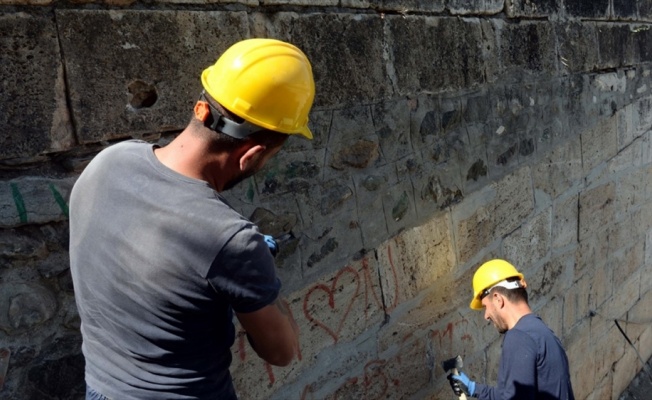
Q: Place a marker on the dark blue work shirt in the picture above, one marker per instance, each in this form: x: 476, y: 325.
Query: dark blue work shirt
x: 533, y: 365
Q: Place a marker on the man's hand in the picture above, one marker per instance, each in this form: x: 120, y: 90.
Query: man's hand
x: 271, y: 243
x: 461, y: 384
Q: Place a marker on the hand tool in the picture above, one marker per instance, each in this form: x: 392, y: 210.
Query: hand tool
x: 453, y: 365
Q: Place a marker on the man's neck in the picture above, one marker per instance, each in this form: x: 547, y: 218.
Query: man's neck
x: 189, y: 155
x: 517, y: 312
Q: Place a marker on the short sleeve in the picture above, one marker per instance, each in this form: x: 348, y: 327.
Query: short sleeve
x: 244, y: 272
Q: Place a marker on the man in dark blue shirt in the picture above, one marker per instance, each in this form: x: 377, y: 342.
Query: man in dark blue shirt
x: 533, y: 363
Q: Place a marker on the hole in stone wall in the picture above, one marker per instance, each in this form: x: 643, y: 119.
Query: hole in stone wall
x: 143, y: 95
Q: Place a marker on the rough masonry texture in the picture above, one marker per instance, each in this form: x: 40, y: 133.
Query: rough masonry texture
x: 446, y: 133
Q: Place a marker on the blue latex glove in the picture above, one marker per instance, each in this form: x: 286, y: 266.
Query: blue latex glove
x: 462, y: 384
x: 271, y: 243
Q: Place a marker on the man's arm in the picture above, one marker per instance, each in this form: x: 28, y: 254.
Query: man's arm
x: 272, y: 332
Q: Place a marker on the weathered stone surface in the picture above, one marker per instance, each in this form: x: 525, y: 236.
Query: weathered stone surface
x: 577, y: 44
x: 587, y: 9
x: 596, y: 209
x: 565, y: 222
x: 645, y: 9
x: 531, y: 242
x: 336, y: 50
x: 475, y: 7
x: 531, y: 8
x: 24, y: 306
x: 59, y: 370
x: 599, y: 144
x: 560, y: 170
x: 14, y: 246
x: 527, y: 45
x: 453, y: 45
x: 33, y: 114
x: 624, y: 8
x: 162, y: 52
x: 34, y: 200
x: 615, y: 45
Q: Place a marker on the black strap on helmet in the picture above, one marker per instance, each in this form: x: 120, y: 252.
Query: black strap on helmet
x: 220, y: 123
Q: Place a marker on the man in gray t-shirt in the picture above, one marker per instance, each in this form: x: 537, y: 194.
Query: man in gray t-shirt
x: 160, y: 262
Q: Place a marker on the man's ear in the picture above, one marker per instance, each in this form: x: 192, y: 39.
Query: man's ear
x: 500, y: 300
x: 251, y: 155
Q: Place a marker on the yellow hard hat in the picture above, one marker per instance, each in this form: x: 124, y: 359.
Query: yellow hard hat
x: 266, y: 82
x: 489, y: 274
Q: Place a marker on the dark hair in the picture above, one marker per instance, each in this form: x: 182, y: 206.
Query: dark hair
x: 513, y: 295
x: 223, y: 142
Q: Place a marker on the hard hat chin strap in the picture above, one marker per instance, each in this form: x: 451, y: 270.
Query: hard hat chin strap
x: 215, y: 120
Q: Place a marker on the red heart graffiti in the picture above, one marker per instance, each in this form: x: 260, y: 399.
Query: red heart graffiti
x: 330, y: 292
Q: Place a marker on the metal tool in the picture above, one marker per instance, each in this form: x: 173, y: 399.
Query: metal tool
x: 453, y: 365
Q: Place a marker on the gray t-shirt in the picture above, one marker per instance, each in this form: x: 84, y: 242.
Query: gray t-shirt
x: 159, y: 261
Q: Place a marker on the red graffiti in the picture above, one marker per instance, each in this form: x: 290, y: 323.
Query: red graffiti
x: 331, y: 301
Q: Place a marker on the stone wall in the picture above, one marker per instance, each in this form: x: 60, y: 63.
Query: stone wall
x: 446, y: 133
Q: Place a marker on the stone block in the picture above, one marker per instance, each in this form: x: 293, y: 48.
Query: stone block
x: 565, y: 222
x: 473, y: 232
x: 35, y: 119
x: 337, y: 50
x: 437, y: 44
x: 576, y: 303
x: 580, y: 352
x: 513, y: 202
x: 531, y: 242
x: 626, y: 294
x: 436, y: 188
x: 34, y: 200
x: 599, y: 144
x: 353, y: 144
x: 632, y: 192
x: 592, y: 252
x: 136, y: 92
x: 405, y: 6
x: 395, y: 375
x: 552, y: 314
x: 475, y: 7
x: 415, y: 260
x: 399, y: 207
x: 645, y: 9
x: 392, y: 126
x: 596, y: 209
x: 602, y: 390
x: 624, y: 370
x: 625, y: 126
x: 492, y: 212
x: 611, y: 347
x: 560, y: 169
x: 25, y: 306
x: 531, y: 8
x: 624, y: 9
x: 527, y: 45
x: 588, y: 9
x: 323, y: 3
x: 640, y: 312
x: 602, y: 285
x: 642, y: 45
x: 549, y: 280
x: 577, y: 44
x: 430, y: 314
x: 644, y: 343
x: 643, y: 115
x: 615, y: 45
